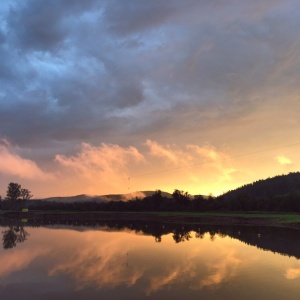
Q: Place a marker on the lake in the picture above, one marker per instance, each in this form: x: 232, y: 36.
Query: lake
x: 148, y: 261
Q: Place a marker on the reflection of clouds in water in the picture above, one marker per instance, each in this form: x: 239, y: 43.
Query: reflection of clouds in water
x: 15, y: 261
x: 225, y: 268
x: 100, y: 264
x: 180, y: 271
x: 292, y: 273
x: 158, y: 282
x: 221, y: 265
x: 96, y: 259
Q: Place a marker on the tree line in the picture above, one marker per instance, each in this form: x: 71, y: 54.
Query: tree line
x: 278, y: 194
x: 180, y: 201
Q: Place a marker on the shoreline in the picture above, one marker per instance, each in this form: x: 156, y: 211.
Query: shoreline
x: 210, y: 218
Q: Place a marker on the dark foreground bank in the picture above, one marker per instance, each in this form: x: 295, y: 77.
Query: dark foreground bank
x: 257, y: 219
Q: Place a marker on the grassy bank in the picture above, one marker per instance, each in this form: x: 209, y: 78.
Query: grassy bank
x: 281, y: 217
x: 216, y: 218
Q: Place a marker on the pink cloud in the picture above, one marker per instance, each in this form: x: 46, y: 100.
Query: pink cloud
x: 105, y: 167
x: 168, y: 153
x: 13, y: 164
x: 11, y: 262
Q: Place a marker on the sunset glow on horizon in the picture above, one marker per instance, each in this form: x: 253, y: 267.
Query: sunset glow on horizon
x: 109, y: 97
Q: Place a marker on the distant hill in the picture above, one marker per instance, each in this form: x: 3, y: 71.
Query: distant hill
x: 77, y: 198
x: 132, y: 196
x: 277, y: 194
x: 104, y: 198
x: 280, y: 193
x: 276, y: 186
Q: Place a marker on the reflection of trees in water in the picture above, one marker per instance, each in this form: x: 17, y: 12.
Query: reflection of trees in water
x: 280, y: 240
x: 14, y: 235
x: 181, y: 235
x: 199, y: 235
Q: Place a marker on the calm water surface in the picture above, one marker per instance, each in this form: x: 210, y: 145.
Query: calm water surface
x: 106, y: 263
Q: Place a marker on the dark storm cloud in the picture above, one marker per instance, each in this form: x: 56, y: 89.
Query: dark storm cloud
x: 135, y: 16
x: 114, y: 70
x: 43, y: 26
x: 2, y: 37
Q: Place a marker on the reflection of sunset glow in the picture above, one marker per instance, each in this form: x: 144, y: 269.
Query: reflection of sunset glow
x: 97, y: 260
x: 18, y: 260
x: 103, y: 265
x: 222, y: 270
x: 292, y: 273
x: 198, y: 169
x: 159, y: 282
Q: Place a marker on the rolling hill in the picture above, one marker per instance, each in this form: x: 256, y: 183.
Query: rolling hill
x: 104, y: 198
x: 276, y: 186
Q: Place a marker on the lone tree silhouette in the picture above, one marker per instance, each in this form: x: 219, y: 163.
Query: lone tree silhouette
x: 25, y: 194
x: 13, y: 191
x: 16, y: 192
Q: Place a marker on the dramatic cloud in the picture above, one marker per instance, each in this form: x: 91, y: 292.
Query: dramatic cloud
x: 100, y: 168
x: 176, y: 157
x: 109, y: 167
x: 195, y: 72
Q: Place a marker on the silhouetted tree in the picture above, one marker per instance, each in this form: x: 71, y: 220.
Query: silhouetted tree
x: 13, y: 191
x: 25, y: 194
x: 181, y: 198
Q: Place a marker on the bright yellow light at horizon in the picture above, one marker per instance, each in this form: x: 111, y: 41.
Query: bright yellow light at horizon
x: 112, y: 169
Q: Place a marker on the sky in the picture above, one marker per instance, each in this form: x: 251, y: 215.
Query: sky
x: 112, y: 96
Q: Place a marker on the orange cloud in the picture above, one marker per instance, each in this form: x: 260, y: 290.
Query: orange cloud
x: 216, y: 159
x: 168, y: 153
x: 292, y: 273
x: 111, y: 169
x: 13, y: 164
x: 194, y: 155
x: 207, y: 152
x: 105, y: 167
